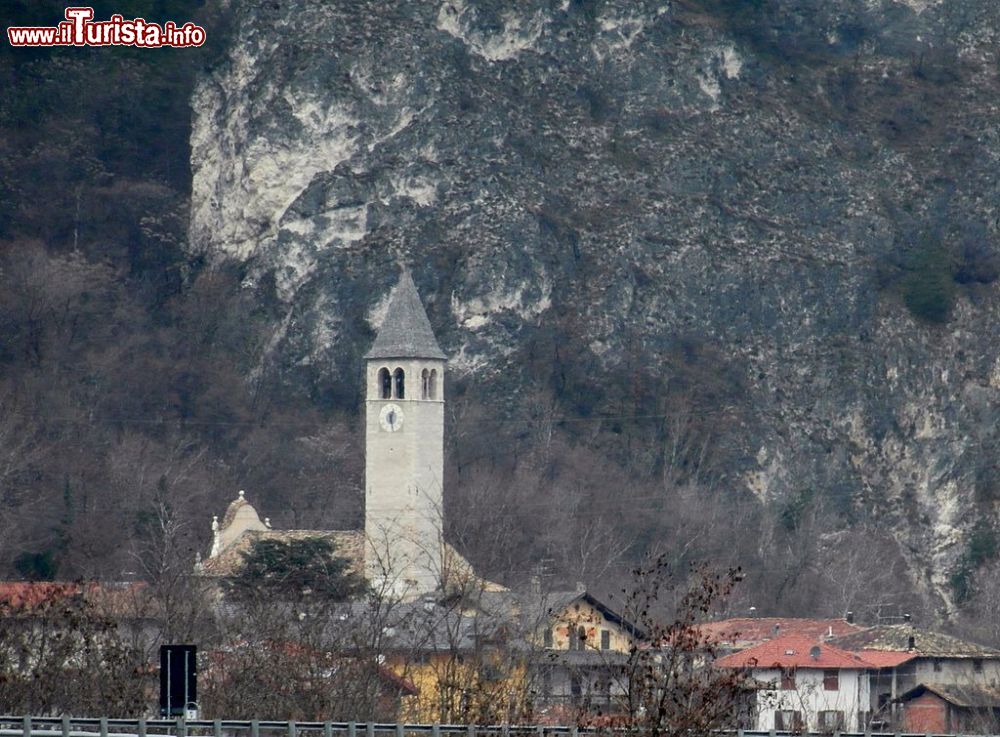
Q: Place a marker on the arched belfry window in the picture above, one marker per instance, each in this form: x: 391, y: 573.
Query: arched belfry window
x: 400, y: 384
x: 384, y: 383
x: 432, y: 385
x: 425, y: 377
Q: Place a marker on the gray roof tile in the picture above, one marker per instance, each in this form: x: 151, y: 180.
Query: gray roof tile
x: 406, y: 332
x: 896, y: 637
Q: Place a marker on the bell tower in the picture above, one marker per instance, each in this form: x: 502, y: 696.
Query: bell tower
x: 404, y: 449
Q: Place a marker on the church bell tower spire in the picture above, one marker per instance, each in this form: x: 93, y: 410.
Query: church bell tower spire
x: 404, y: 448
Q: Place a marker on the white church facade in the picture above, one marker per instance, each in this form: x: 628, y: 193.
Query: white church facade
x: 401, y: 550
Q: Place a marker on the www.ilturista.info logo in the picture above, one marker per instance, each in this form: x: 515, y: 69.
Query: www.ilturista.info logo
x: 80, y: 29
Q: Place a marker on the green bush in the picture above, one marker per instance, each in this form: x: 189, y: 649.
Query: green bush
x: 928, y: 287
x: 981, y: 549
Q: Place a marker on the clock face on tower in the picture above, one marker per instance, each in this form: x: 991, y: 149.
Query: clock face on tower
x: 390, y: 418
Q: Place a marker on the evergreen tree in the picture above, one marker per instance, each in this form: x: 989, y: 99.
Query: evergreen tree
x: 295, y: 570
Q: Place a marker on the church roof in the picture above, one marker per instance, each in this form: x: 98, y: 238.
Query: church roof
x: 234, y: 508
x: 406, y: 332
x: 347, y: 544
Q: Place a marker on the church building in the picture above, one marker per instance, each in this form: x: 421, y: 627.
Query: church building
x: 401, y: 549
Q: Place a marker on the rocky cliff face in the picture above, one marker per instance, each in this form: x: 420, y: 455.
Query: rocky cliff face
x: 762, y: 186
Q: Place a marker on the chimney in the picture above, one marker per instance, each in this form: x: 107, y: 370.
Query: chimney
x: 581, y: 587
x: 776, y: 631
x: 906, y: 618
x: 849, y: 617
x: 911, y: 642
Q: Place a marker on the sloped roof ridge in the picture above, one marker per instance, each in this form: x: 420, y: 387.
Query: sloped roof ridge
x: 962, y: 695
x: 234, y: 506
x: 754, y: 629
x: 895, y: 638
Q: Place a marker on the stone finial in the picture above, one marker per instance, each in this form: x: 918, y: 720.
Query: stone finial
x: 215, y: 523
x: 267, y: 522
x: 243, y: 495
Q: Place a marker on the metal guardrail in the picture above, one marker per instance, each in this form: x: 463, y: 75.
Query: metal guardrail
x: 31, y: 726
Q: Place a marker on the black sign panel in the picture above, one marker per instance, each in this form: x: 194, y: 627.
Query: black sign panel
x: 178, y: 679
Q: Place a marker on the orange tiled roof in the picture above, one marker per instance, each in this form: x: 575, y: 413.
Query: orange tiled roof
x: 887, y: 658
x: 33, y: 593
x: 114, y: 599
x: 793, y: 651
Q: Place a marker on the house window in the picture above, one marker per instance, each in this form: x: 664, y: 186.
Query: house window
x: 384, y: 383
x: 575, y: 686
x: 546, y: 681
x: 787, y: 680
x: 788, y: 721
x: 432, y: 390
x: 605, y: 640
x: 937, y: 665
x: 831, y: 721
x: 490, y: 671
x: 831, y: 680
x: 425, y: 376
x: 602, y: 686
x: 581, y: 638
x: 977, y: 665
x: 400, y: 384
x: 547, y: 637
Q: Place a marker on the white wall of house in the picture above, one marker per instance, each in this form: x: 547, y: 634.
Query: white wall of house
x: 811, y: 696
x: 985, y: 671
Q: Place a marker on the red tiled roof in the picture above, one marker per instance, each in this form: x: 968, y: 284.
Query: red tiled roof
x: 33, y: 593
x: 117, y: 599
x: 753, y: 630
x: 887, y: 658
x: 793, y: 651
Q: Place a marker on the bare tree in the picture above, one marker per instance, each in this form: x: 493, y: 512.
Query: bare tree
x: 65, y: 648
x: 668, y: 684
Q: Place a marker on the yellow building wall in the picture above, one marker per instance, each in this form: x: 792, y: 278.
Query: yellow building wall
x: 464, y: 688
x: 492, y: 686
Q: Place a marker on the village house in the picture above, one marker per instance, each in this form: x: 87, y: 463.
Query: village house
x: 905, y: 657
x: 584, y: 647
x: 950, y: 709
x: 804, y: 684
x: 909, y: 678
x: 506, y: 656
